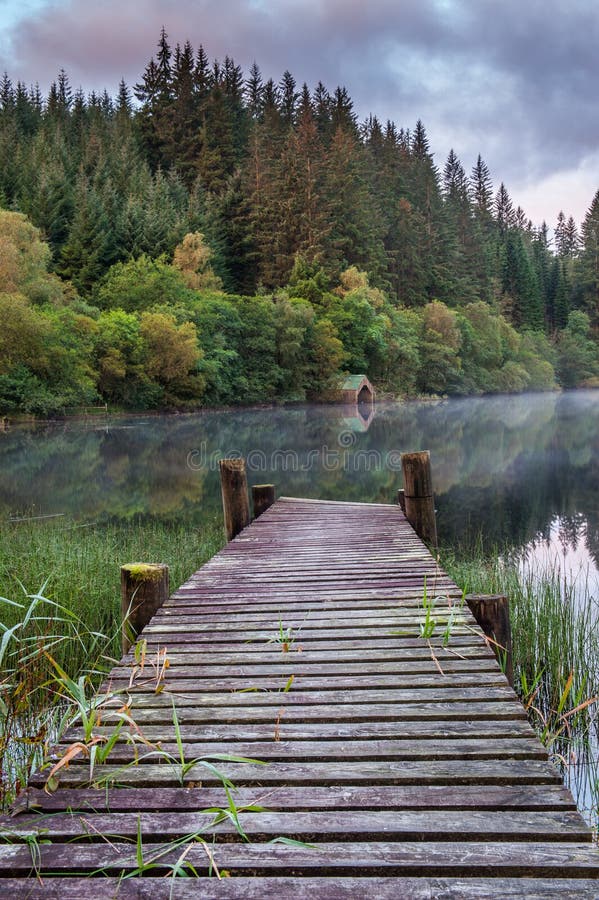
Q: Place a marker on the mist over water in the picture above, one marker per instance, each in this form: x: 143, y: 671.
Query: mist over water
x: 521, y: 470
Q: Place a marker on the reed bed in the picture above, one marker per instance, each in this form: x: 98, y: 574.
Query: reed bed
x: 60, y: 613
x: 78, y: 567
x: 555, y: 633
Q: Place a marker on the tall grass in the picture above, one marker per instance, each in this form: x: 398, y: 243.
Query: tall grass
x: 555, y: 634
x: 79, y: 567
x: 60, y: 611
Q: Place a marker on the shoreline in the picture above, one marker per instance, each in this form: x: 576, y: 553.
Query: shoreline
x: 7, y: 423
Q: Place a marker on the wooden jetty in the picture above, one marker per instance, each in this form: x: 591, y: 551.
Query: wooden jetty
x: 392, y: 749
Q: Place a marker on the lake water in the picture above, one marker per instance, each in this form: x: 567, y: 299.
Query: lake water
x: 521, y: 470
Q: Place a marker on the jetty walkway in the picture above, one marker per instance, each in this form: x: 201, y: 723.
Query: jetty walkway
x: 395, y: 760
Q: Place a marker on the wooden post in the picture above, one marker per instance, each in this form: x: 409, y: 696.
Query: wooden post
x: 492, y: 612
x: 401, y: 499
x: 418, y: 493
x: 144, y: 588
x: 263, y: 496
x: 234, y: 488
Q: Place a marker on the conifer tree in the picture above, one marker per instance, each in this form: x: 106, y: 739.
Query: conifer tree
x: 254, y: 93
x: 588, y: 263
x: 288, y: 98
x: 321, y: 101
x: 504, y: 210
x: 89, y: 249
x: 481, y: 188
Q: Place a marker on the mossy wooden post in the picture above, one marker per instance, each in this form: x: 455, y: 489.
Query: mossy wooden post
x: 234, y: 488
x: 492, y: 612
x: 418, y: 495
x: 144, y: 588
x: 401, y: 499
x: 263, y: 496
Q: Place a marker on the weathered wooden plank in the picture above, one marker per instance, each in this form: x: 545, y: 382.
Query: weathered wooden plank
x: 333, y: 888
x: 431, y: 859
x: 424, y: 730
x: 333, y: 698
x: 298, y: 697
x: 188, y: 713
x: 531, y: 797
x: 232, y: 680
x: 181, y: 634
x: 469, y: 646
x: 319, y: 665
x: 314, y: 618
x: 481, y: 772
x: 311, y: 826
x: 327, y: 751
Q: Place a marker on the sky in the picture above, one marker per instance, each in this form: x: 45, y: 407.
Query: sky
x: 513, y: 80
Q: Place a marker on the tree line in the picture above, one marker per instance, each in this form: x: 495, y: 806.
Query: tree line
x: 225, y: 239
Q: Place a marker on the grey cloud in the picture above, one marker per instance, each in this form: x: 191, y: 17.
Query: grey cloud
x: 513, y: 80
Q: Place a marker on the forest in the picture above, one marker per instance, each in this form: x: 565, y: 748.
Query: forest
x: 208, y: 237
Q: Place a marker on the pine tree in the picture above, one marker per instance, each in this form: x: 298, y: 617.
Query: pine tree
x: 465, y: 251
x: 520, y: 284
x: 181, y: 138
x: 481, y: 188
x: 254, y: 93
x: 572, y: 242
x: 321, y: 102
x: 455, y: 184
x: 559, y: 233
x: 557, y: 304
x: 342, y: 113
x: 7, y: 97
x: 201, y: 75
x: 521, y: 221
x: 357, y: 231
x: 288, y: 98
x: 124, y: 106
x: 217, y: 157
x: 88, y: 250
x: 588, y: 263
x: 504, y: 210
x: 163, y: 69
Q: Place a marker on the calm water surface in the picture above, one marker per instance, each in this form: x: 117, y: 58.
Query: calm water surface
x: 520, y: 470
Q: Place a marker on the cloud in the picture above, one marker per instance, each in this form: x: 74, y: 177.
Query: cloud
x: 515, y: 81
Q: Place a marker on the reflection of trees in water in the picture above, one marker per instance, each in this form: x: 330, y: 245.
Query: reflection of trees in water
x: 551, y: 470
x: 503, y: 466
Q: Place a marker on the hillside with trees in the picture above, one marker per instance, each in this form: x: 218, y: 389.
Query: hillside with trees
x: 209, y: 237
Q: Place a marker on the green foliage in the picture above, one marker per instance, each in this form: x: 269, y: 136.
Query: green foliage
x: 439, y: 349
x: 140, y: 284
x: 249, y: 187
x: 578, y: 354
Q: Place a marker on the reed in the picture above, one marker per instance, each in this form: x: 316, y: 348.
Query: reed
x: 60, y: 613
x: 555, y: 632
x: 79, y: 568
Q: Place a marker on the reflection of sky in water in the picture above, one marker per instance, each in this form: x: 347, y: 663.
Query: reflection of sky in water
x: 565, y: 553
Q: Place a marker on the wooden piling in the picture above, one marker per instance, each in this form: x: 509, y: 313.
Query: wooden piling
x: 263, y: 496
x: 234, y: 488
x: 492, y: 612
x: 401, y: 499
x: 418, y: 495
x: 144, y: 588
